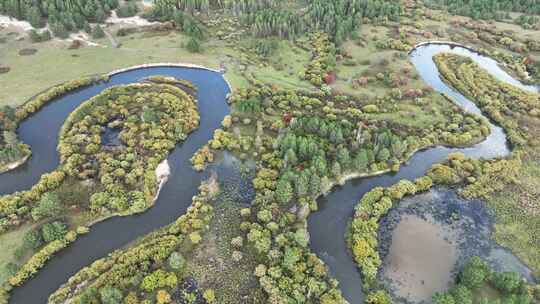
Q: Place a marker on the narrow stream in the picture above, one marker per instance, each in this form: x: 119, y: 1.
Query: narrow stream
x: 327, y: 227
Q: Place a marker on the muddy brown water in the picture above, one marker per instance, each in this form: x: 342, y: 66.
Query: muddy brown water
x: 421, y: 258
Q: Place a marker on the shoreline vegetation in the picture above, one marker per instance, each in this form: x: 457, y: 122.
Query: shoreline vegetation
x: 362, y: 234
x: 225, y: 139
x: 70, y: 86
x: 178, y: 239
x: 329, y: 184
x: 33, y: 105
x: 315, y: 102
x: 174, y: 105
x: 15, y: 164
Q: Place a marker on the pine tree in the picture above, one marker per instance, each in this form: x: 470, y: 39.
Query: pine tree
x: 336, y: 169
x: 284, y: 191
x: 194, y: 45
x: 34, y: 17
x: 320, y: 166
x: 361, y: 161
x: 290, y: 158
x: 344, y: 157
x: 302, y: 184
x: 314, y: 184
x: 383, y: 155
x: 98, y: 32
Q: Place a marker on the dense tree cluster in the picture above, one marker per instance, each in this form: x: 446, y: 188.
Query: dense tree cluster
x: 340, y: 18
x: 152, y: 118
x: 484, y: 31
x: 476, y: 274
x: 481, y: 178
x: 322, y: 138
x: 527, y: 21
x: 201, y: 157
x: 151, y: 271
x: 172, y: 11
x: 11, y: 149
x: 501, y: 101
x: 189, y: 6
x: 487, y: 9
x: 323, y: 59
x: 268, y: 22
x: 127, y: 9
x: 16, y: 206
x: 61, y: 16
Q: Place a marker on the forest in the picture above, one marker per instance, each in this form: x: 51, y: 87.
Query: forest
x: 488, y: 9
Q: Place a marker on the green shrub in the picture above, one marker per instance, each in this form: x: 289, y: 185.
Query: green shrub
x: 128, y: 9
x: 177, y: 261
x: 49, y: 206
x: 110, y: 295
x: 53, y: 231
x: 97, y: 32
x: 33, y: 239
x: 194, y: 45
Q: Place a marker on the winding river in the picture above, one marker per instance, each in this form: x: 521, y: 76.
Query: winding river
x: 327, y: 227
x: 41, y: 132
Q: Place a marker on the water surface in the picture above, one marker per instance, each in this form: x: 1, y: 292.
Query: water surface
x: 41, y: 131
x: 427, y: 239
x: 328, y: 226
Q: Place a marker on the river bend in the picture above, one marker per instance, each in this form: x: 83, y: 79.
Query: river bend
x: 327, y: 227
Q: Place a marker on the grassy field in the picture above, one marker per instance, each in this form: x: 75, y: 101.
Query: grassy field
x: 10, y: 241
x: 54, y: 62
x: 518, y: 216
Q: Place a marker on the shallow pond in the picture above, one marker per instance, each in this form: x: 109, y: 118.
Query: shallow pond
x: 111, y: 138
x: 420, y: 259
x: 426, y: 240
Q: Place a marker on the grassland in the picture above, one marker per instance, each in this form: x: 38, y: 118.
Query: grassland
x: 55, y: 63
x: 11, y: 242
x: 517, y: 211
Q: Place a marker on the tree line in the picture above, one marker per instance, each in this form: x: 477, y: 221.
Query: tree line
x: 487, y: 9
x: 339, y: 18
x: 61, y: 16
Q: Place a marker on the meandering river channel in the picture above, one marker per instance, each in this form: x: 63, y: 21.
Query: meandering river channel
x: 327, y: 227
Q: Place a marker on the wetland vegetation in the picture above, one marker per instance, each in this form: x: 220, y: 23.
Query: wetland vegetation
x: 294, y: 169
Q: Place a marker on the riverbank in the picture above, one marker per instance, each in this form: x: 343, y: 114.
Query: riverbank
x: 170, y: 203
x: 13, y: 165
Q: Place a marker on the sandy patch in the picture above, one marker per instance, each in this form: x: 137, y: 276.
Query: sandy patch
x: 163, y: 170
x: 14, y: 24
x: 83, y: 36
x: 131, y: 21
